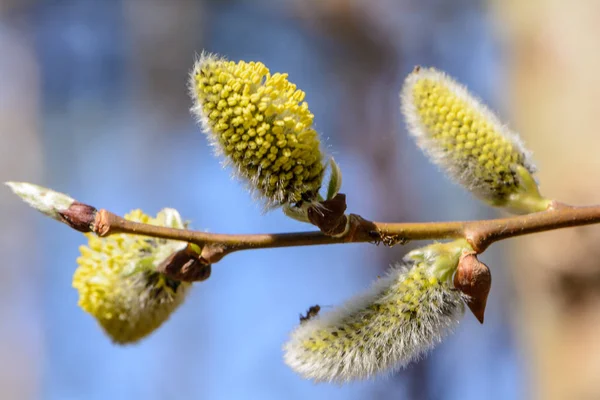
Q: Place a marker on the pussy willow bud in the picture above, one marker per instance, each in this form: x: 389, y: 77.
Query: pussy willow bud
x: 459, y: 133
x: 119, y: 285
x: 46, y: 201
x: 56, y: 205
x: 397, y: 320
x: 474, y: 279
x: 260, y: 122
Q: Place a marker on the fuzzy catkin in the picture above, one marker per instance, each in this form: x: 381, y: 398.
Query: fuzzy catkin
x: 459, y: 133
x: 260, y: 122
x: 46, y: 201
x: 118, y: 283
x: 402, y: 316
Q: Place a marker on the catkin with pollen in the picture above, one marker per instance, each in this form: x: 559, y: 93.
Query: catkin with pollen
x: 459, y: 133
x: 118, y: 283
x: 402, y: 316
x: 260, y: 122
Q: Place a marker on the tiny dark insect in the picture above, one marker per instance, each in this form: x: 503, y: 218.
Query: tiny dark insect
x: 311, y: 313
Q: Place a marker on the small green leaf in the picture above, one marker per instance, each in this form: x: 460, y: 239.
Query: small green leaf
x: 197, y: 249
x: 527, y: 198
x: 335, y: 179
x: 299, y: 214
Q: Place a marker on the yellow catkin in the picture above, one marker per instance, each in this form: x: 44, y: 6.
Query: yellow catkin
x: 463, y: 136
x: 118, y: 284
x: 260, y: 122
x: 402, y: 316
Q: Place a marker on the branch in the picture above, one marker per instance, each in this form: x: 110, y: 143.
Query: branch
x: 480, y: 234
x: 193, y: 263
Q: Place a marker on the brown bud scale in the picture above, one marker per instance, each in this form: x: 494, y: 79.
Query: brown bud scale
x: 185, y: 265
x: 329, y: 215
x: 79, y: 216
x: 474, y: 279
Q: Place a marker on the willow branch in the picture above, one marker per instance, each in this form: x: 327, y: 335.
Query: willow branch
x: 480, y: 234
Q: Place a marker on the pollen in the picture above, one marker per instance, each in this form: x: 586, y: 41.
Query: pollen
x: 261, y: 124
x: 401, y: 317
x: 463, y: 136
x: 118, y: 284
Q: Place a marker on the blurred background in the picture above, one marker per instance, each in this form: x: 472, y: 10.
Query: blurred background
x: 93, y: 102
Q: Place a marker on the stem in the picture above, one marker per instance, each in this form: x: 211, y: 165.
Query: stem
x: 483, y: 233
x: 480, y: 234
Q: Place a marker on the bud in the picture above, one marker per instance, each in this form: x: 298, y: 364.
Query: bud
x: 44, y: 200
x: 118, y: 281
x: 329, y: 215
x: 260, y: 122
x: 459, y: 133
x: 186, y: 265
x: 474, y: 279
x: 401, y: 317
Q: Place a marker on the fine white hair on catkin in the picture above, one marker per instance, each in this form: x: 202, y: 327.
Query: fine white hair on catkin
x: 402, y: 316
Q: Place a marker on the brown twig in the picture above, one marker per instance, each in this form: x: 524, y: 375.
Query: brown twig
x: 480, y: 234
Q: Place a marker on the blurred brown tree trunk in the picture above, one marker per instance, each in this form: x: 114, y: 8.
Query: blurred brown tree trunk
x: 21, y: 336
x: 555, y: 99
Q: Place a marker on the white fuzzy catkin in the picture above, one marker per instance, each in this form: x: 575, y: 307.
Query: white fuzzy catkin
x: 402, y: 316
x: 44, y: 200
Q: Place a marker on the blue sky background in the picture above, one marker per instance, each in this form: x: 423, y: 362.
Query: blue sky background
x: 107, y: 139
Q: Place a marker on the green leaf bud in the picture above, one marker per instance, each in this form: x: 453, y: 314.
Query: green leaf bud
x: 335, y: 180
